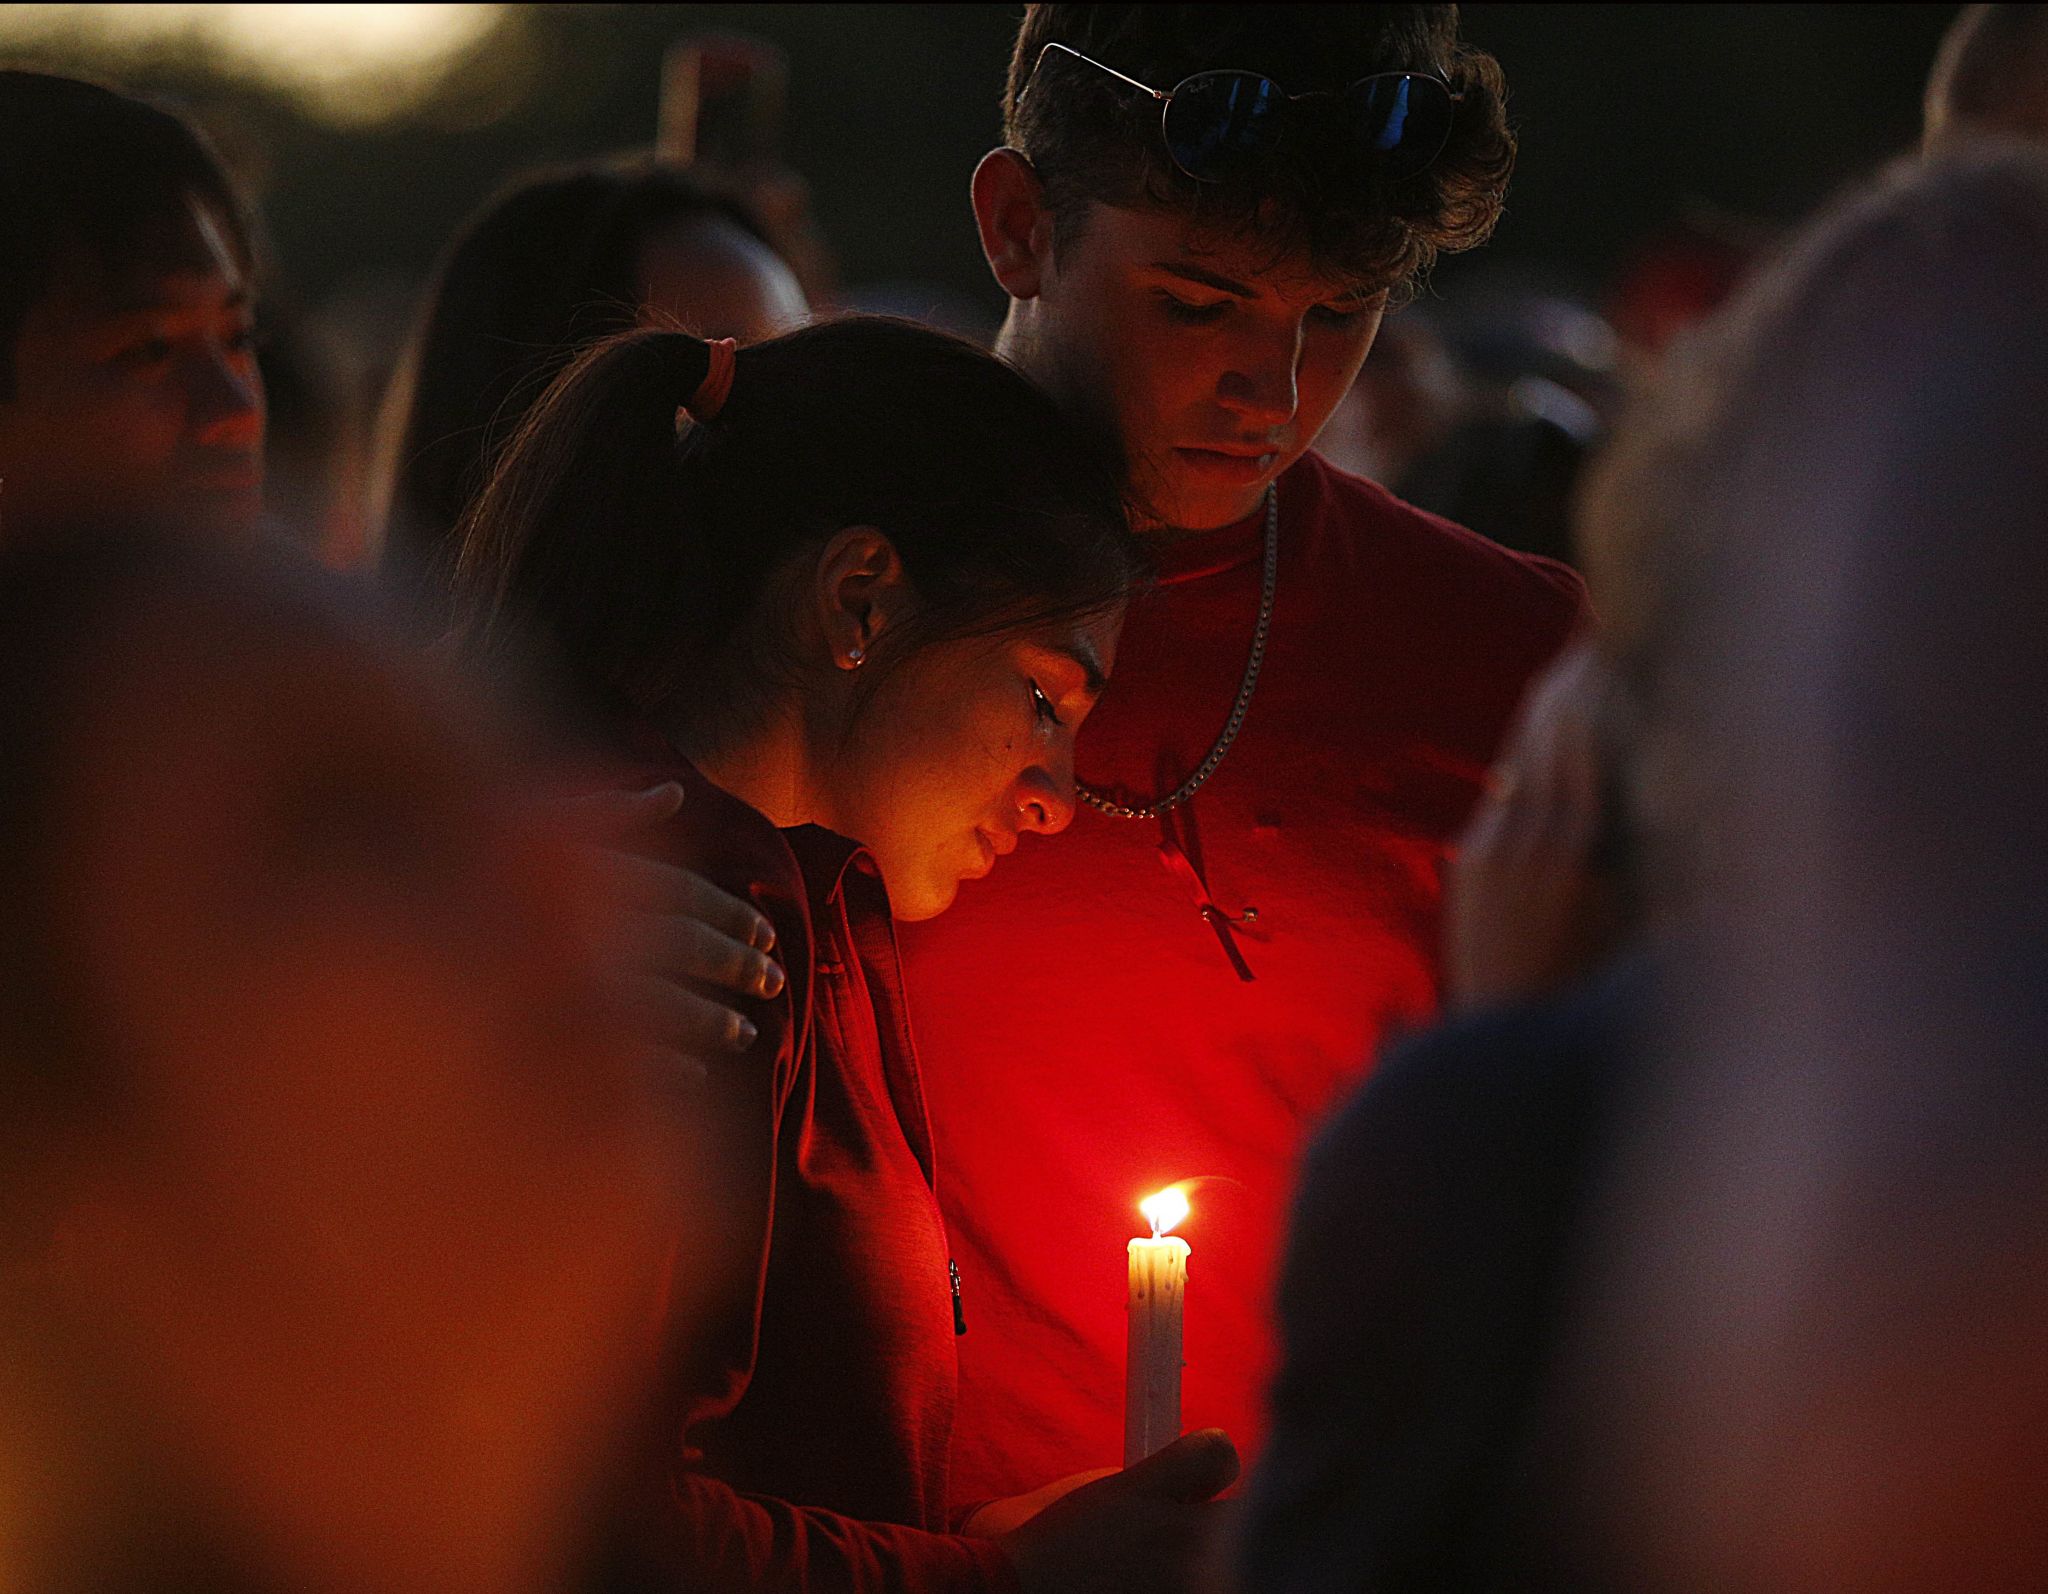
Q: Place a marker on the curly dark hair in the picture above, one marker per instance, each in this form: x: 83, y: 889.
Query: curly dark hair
x: 1093, y: 140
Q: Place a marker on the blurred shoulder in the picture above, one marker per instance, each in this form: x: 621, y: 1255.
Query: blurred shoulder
x: 1482, y: 1092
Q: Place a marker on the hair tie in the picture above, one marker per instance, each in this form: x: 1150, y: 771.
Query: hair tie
x: 703, y: 405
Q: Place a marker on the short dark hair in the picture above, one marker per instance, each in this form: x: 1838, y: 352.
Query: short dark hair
x: 83, y: 166
x: 1093, y: 140
x: 636, y: 557
x: 547, y: 266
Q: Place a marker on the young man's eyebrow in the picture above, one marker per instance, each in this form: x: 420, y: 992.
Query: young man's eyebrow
x: 1208, y: 279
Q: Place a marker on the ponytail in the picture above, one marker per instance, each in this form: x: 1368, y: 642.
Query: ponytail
x: 634, y: 545
x: 588, y: 529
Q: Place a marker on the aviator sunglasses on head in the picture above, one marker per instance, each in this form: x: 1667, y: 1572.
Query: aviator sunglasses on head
x: 1217, y: 123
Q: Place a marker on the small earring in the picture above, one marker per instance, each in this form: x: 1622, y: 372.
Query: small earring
x: 854, y: 656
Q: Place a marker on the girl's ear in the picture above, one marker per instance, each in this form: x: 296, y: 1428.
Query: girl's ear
x: 860, y: 592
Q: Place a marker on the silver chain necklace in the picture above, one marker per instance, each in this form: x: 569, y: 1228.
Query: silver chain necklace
x: 1194, y: 783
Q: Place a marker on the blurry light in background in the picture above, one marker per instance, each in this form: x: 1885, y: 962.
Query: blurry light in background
x: 352, y: 65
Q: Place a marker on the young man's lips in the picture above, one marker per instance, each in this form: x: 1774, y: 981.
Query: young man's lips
x: 1230, y: 464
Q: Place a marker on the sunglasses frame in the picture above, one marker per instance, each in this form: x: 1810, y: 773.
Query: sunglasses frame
x: 1165, y: 96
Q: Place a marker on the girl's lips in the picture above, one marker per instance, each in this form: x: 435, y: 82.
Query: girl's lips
x: 992, y: 848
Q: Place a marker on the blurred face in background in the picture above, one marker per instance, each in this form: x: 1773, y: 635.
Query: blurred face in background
x: 136, y: 395
x: 712, y: 277
x: 372, y: 1229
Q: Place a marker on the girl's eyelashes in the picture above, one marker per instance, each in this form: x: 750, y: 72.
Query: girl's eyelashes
x: 1043, y: 705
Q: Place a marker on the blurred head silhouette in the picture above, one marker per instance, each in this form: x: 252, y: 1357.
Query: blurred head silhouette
x: 1990, y: 76
x: 336, y: 1197
x: 1821, y: 550
x: 558, y: 259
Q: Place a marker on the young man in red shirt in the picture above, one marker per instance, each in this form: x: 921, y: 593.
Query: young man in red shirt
x: 1304, y: 710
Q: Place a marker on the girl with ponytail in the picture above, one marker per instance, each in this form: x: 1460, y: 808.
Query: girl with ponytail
x: 855, y: 589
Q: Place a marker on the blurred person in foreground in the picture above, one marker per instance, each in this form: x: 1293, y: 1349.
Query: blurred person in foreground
x: 1814, y: 1360
x: 334, y: 1196
x: 1305, y: 707
x: 555, y: 261
x: 1990, y: 76
x: 128, y: 379
x: 1437, y: 1234
x: 855, y: 589
x: 1416, y: 1446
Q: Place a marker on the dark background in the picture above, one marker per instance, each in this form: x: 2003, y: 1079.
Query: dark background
x: 1629, y: 115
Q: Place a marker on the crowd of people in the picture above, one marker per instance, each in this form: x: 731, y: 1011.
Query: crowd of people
x: 615, y: 1046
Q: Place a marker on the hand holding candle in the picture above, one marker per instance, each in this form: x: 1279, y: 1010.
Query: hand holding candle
x: 1159, y: 1276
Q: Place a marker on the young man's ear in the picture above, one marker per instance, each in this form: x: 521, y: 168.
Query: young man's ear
x: 1015, y: 225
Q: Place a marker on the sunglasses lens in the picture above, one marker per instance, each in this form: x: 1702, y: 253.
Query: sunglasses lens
x: 1403, y: 120
x: 1217, y: 122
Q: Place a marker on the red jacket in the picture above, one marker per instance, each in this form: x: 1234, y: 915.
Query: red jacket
x: 1090, y: 1036
x: 819, y: 1407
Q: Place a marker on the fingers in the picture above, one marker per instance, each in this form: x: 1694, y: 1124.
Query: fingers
x: 675, y: 1019
x: 1006, y: 1515
x: 699, y: 899
x: 681, y: 927
x: 686, y: 949
x: 650, y: 885
x: 611, y: 816
x: 1197, y: 1466
x: 1543, y: 796
x: 685, y: 1068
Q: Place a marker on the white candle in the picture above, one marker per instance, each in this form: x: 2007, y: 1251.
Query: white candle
x: 1159, y: 1281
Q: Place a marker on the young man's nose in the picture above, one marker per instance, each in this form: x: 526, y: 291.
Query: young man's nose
x: 1045, y: 799
x: 224, y: 397
x: 1259, y: 386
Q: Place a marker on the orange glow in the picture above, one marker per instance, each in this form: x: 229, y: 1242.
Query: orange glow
x: 1165, y: 1209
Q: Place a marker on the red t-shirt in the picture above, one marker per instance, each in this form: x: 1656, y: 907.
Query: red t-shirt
x: 1089, y: 1036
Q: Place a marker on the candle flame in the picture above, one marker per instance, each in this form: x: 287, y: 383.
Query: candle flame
x: 1164, y: 1210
